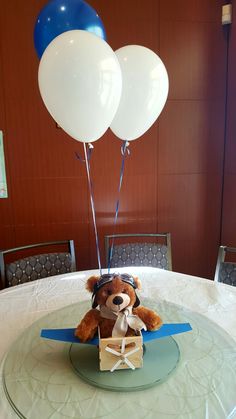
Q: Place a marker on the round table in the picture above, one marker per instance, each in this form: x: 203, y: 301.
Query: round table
x: 202, y: 385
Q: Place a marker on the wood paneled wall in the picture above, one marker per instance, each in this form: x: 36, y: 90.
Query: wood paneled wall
x: 191, y: 132
x: 173, y: 176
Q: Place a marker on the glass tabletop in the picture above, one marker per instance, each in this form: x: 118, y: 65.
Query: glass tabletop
x: 40, y: 381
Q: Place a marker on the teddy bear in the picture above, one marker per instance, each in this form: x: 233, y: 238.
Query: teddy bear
x: 116, y: 308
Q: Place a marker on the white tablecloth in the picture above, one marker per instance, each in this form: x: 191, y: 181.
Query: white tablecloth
x: 22, y: 305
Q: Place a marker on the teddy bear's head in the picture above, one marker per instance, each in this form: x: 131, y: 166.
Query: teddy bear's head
x: 115, y: 291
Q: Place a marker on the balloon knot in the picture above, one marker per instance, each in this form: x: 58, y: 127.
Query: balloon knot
x: 125, y: 151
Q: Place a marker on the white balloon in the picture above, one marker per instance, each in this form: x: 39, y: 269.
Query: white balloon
x: 80, y: 83
x: 145, y: 88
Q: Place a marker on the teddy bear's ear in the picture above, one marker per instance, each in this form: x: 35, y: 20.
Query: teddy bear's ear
x: 137, y: 282
x: 91, y: 282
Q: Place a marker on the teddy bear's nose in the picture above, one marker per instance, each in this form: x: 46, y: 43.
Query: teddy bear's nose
x: 117, y: 300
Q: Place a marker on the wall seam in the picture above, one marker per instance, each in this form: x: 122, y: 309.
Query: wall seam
x: 227, y: 34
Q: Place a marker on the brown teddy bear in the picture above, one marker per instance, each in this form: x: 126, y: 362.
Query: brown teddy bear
x: 119, y: 313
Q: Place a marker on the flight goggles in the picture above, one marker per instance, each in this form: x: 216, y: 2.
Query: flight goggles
x: 106, y: 278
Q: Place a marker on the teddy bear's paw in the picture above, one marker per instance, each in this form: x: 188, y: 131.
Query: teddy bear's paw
x: 152, y: 320
x: 84, y: 334
x: 154, y: 324
x: 149, y: 317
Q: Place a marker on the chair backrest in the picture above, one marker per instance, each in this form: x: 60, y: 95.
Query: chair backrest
x: 225, y: 270
x: 37, y: 266
x: 144, y: 249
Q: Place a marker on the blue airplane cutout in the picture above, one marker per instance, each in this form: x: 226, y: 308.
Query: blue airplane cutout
x: 68, y: 335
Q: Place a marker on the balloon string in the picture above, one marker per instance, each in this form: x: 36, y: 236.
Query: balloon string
x: 89, y: 153
x: 87, y: 156
x: 125, y: 152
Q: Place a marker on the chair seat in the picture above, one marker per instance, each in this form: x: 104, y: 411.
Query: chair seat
x: 38, y: 266
x: 226, y: 269
x: 227, y: 273
x: 140, y: 254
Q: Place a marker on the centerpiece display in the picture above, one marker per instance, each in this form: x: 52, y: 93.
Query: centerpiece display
x: 119, y: 326
x: 87, y: 88
x: 119, y: 320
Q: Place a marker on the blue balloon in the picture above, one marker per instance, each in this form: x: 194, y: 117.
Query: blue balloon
x: 60, y: 16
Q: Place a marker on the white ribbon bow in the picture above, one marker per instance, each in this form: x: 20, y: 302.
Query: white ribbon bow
x: 124, y: 319
x: 122, y: 355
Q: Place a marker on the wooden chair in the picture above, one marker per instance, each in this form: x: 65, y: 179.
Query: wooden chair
x: 151, y: 249
x: 225, y: 270
x: 39, y: 265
